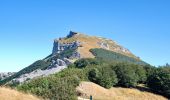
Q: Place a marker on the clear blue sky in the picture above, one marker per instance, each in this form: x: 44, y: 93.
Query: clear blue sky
x: 28, y: 27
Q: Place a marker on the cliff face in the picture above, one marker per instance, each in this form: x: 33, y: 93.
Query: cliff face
x: 59, y: 47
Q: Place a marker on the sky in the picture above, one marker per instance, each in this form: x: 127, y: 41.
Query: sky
x: 28, y: 27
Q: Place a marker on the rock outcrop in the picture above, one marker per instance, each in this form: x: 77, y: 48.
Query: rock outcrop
x: 55, y: 67
x: 4, y: 75
x: 59, y: 47
x: 71, y: 34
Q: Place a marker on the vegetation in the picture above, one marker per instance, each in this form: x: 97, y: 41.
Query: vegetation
x: 108, y: 69
x: 56, y: 87
x: 107, y: 77
x: 159, y: 80
x: 121, y: 74
x: 126, y: 75
x: 62, y: 85
x: 110, y: 56
x: 84, y: 62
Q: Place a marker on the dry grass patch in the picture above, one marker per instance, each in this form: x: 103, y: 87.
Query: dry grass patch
x: 10, y: 94
x: 85, y: 89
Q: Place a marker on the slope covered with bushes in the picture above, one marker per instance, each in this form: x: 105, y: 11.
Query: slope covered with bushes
x: 63, y: 85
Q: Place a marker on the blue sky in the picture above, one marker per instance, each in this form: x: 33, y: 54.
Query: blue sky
x: 28, y: 27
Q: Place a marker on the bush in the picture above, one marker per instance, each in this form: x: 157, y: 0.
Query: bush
x: 104, y: 76
x: 86, y: 62
x: 94, y: 75
x: 159, y: 81
x: 149, y: 70
x: 126, y: 75
x: 61, y: 86
x: 140, y: 73
x: 107, y: 77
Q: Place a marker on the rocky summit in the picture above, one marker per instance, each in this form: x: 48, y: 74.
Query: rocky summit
x: 84, y: 43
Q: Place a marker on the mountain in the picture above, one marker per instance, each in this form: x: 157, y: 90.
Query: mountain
x: 81, y: 65
x: 69, y: 49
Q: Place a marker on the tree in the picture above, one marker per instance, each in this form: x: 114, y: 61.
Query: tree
x: 85, y: 62
x: 104, y: 76
x: 126, y: 75
x: 159, y: 81
x: 94, y: 75
x: 140, y: 73
x: 107, y: 77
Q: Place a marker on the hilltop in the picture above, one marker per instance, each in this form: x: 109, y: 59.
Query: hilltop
x: 67, y: 50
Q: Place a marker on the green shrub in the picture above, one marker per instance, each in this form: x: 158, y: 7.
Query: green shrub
x: 104, y: 76
x: 149, y: 70
x: 84, y: 62
x: 140, y: 73
x: 126, y: 75
x: 61, y: 86
x: 159, y: 81
x: 94, y: 75
x: 107, y: 77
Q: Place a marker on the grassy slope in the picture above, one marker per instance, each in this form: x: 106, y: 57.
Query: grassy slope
x: 113, y: 56
x: 9, y: 94
x: 99, y: 93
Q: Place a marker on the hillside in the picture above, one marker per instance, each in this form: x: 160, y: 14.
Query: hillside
x: 9, y: 94
x: 66, y: 51
x: 108, y: 76
x: 85, y: 89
